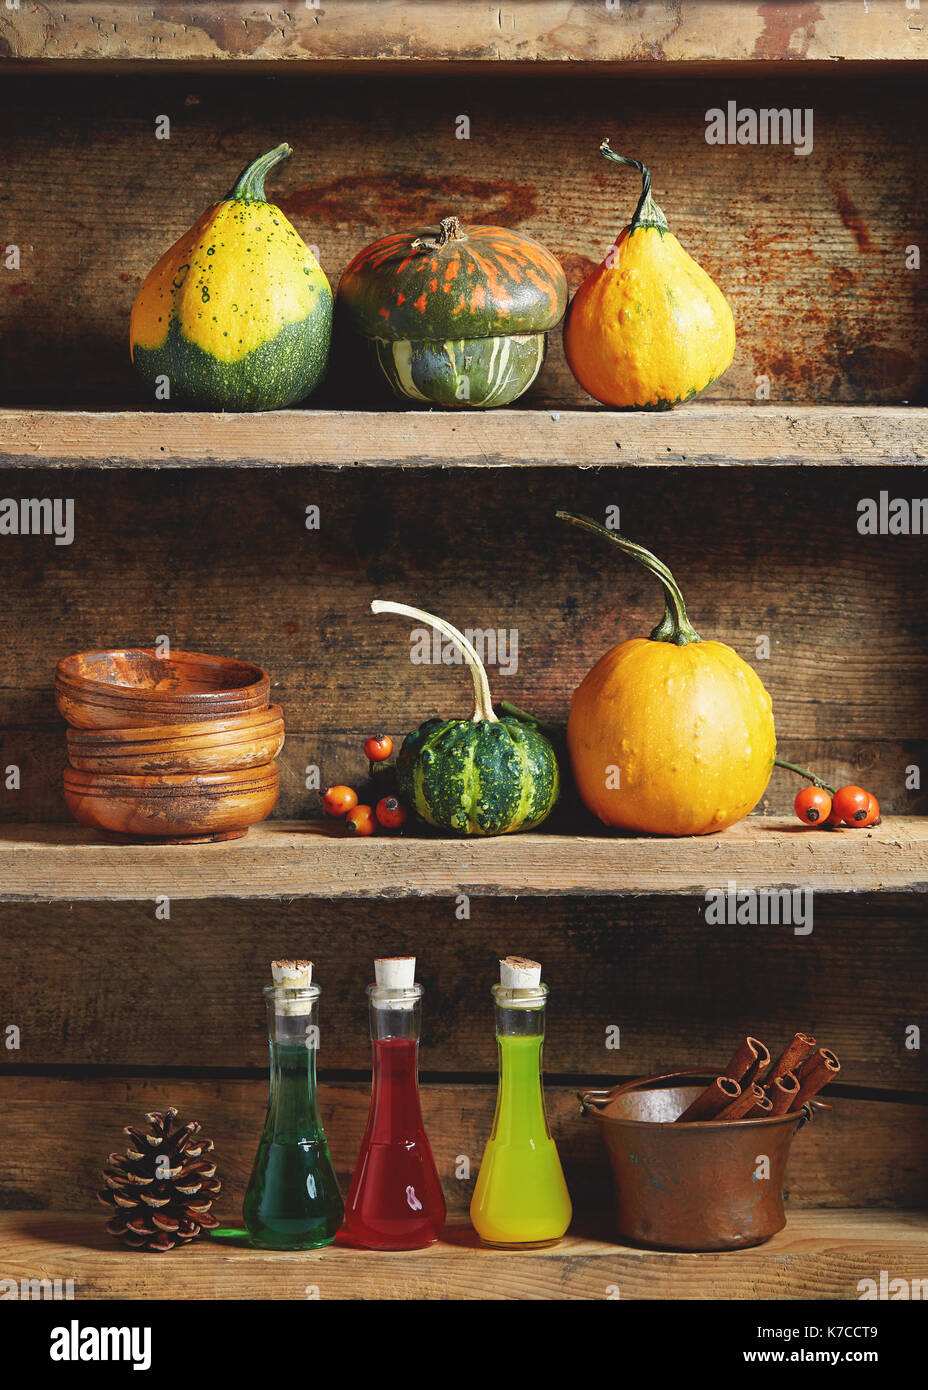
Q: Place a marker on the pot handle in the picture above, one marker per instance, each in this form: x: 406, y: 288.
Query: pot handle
x: 591, y: 1100
x: 808, y: 1110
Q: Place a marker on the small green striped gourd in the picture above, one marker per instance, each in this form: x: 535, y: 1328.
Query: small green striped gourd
x: 477, y: 776
x: 237, y: 315
x: 455, y: 315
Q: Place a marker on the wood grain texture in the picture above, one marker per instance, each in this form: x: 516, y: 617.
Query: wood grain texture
x: 310, y: 859
x: 700, y: 435
x: 866, y: 1153
x: 820, y: 1255
x: 680, y: 991
x: 810, y: 251
x: 525, y: 31
x: 220, y: 561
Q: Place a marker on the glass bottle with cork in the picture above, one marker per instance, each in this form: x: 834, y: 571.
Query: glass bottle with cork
x: 292, y: 1201
x: 521, y: 1198
x: 395, y: 1201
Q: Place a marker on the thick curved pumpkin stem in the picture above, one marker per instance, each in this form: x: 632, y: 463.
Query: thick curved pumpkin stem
x: 675, y: 626
x: 483, y: 701
x: 647, y: 213
x: 249, y: 186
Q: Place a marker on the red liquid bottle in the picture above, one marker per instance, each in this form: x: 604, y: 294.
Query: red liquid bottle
x: 395, y: 1201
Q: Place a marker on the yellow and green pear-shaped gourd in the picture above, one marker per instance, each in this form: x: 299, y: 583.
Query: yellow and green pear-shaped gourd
x: 238, y: 314
x: 648, y: 328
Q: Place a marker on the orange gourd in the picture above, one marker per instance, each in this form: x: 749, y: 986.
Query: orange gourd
x: 648, y: 328
x: 670, y: 735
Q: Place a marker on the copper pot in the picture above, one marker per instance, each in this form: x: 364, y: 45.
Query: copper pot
x: 692, y: 1186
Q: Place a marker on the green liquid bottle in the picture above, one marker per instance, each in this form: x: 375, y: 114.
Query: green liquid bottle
x: 292, y: 1201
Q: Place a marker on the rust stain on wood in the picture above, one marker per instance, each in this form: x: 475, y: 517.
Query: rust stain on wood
x: 851, y: 218
x: 387, y: 201
x: 781, y: 22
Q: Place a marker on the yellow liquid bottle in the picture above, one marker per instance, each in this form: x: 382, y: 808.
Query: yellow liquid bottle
x: 521, y: 1197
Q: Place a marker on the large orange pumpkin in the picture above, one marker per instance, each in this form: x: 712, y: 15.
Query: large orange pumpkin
x: 670, y: 735
x: 648, y: 328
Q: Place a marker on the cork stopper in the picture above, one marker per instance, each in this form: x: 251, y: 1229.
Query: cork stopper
x: 515, y: 972
x: 293, y: 989
x: 292, y: 974
x: 395, y: 972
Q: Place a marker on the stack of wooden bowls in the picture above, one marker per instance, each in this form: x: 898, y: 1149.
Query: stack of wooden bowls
x: 176, y: 748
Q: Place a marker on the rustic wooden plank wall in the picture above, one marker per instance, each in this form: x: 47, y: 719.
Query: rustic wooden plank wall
x: 223, y: 562
x: 94, y: 985
x: 863, y: 1154
x: 810, y: 250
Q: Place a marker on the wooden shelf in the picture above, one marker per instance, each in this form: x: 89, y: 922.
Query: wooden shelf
x: 441, y: 31
x: 820, y: 1254
x: 709, y: 434
x: 307, y: 859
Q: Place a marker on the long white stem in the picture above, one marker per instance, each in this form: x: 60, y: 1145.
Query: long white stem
x: 483, y: 701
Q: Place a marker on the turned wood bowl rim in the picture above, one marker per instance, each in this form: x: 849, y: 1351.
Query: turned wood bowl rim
x: 228, y: 730
x: 121, y: 785
x: 70, y: 680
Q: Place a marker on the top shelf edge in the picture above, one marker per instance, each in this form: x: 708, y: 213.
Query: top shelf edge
x: 580, y: 35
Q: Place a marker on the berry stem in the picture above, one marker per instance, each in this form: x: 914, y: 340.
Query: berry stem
x: 804, y: 772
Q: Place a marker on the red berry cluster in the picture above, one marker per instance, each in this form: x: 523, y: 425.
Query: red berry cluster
x: 819, y: 806
x: 360, y: 819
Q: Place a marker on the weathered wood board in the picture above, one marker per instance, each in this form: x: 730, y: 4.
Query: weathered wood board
x: 864, y: 1152
x: 702, y: 434
x: 811, y: 250
x: 404, y: 31
x: 637, y: 987
x: 318, y: 860
x: 820, y: 1255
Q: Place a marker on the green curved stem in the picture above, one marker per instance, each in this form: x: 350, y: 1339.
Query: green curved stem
x: 249, y: 186
x: 483, y: 701
x: 675, y: 626
x: 647, y: 213
x: 549, y: 730
x: 804, y: 772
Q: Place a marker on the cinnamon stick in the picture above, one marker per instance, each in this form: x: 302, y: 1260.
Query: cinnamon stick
x: 782, y: 1093
x: 738, y: 1108
x: 762, y: 1108
x: 796, y: 1052
x: 816, y: 1071
x: 749, y: 1063
x: 713, y: 1099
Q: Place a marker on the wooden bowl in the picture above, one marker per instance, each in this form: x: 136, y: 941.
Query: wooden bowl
x: 212, y: 745
x: 178, y: 807
x: 135, y: 688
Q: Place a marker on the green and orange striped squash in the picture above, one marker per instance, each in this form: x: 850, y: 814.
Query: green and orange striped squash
x: 455, y: 315
x: 237, y: 315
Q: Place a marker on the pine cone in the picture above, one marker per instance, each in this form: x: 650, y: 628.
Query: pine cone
x: 162, y: 1186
